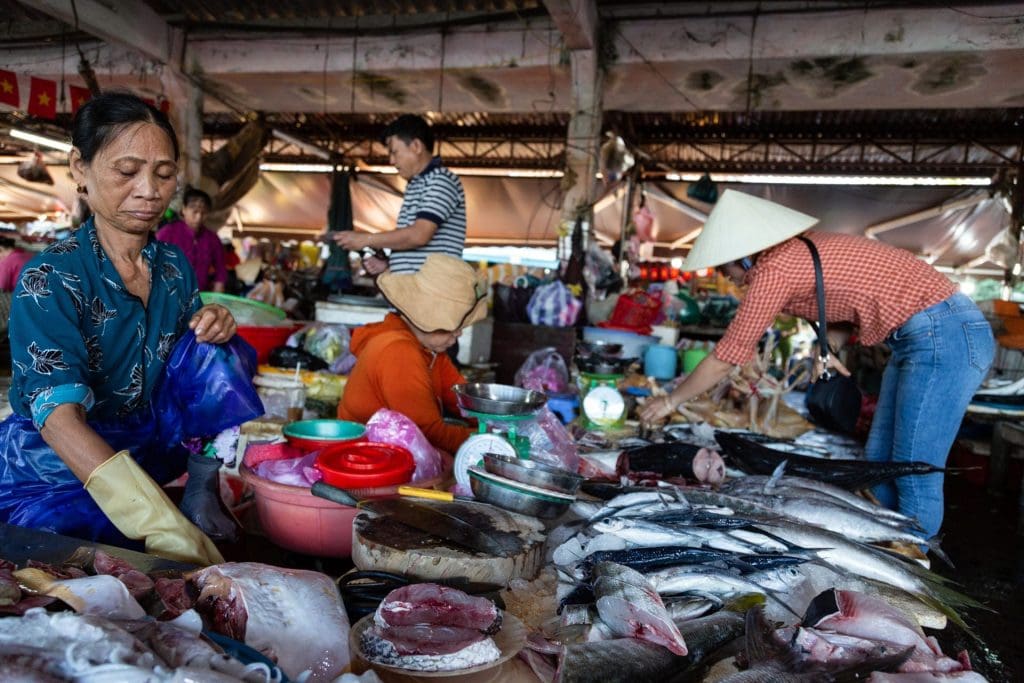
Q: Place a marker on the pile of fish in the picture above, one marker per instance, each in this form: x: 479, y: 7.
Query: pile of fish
x: 267, y: 608
x: 778, y: 541
x: 65, y: 646
x: 427, y: 627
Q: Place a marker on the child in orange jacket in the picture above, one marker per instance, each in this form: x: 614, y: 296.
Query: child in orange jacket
x: 401, y: 362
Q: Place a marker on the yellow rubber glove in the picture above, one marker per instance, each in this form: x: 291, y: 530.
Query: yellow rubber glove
x: 140, y: 509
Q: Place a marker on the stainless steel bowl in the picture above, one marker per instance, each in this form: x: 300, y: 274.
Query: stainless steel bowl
x: 503, y: 493
x: 532, y: 473
x: 598, y: 347
x: 498, y: 399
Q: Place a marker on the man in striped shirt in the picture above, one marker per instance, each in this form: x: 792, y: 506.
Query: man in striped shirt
x: 433, y: 215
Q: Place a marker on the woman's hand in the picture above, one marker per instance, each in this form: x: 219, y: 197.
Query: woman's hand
x: 213, y: 323
x: 656, y: 409
x: 833, y: 364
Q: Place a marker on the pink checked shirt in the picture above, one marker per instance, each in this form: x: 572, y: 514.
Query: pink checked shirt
x: 875, y: 286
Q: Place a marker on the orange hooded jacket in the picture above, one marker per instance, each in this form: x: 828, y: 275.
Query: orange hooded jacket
x: 394, y: 371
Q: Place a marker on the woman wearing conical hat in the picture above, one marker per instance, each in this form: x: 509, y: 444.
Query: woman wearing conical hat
x: 942, y: 346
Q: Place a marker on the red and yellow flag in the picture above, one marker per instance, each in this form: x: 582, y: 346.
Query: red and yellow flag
x: 42, y: 98
x: 79, y: 96
x: 9, y: 88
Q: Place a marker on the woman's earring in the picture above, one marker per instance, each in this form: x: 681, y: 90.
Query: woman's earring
x: 81, y: 189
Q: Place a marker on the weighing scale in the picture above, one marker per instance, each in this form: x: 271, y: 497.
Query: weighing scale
x: 602, y: 405
x: 500, y: 439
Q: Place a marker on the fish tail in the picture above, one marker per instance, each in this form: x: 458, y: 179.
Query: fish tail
x: 941, y: 605
x: 955, y: 598
x: 935, y: 546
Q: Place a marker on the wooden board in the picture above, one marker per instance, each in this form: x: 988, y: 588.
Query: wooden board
x: 382, y: 544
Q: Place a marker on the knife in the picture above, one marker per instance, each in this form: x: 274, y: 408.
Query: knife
x: 436, y: 522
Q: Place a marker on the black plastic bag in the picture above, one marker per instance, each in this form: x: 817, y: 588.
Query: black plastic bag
x: 510, y: 303
x: 291, y: 357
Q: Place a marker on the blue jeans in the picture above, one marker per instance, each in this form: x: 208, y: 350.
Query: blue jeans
x: 939, y: 357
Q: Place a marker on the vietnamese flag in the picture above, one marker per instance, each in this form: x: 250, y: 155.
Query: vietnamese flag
x: 42, y: 98
x: 79, y: 96
x: 9, y: 88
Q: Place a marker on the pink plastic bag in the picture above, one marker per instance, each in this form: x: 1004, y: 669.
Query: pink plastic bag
x: 291, y: 471
x: 544, y: 370
x: 389, y: 426
x: 550, y: 442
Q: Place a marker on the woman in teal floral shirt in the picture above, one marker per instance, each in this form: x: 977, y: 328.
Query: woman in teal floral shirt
x: 93, y: 321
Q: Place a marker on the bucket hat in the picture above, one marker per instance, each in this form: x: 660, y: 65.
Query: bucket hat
x: 444, y: 295
x: 741, y: 225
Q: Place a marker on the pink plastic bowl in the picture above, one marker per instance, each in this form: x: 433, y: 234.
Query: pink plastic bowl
x: 295, y: 519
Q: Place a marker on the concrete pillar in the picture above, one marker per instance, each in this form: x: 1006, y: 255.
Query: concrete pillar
x: 582, y: 148
x: 1013, y: 275
x: 186, y: 116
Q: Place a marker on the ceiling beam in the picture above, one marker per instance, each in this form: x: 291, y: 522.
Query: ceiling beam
x: 131, y: 23
x: 577, y: 21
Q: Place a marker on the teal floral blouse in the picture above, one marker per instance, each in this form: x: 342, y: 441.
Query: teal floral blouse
x: 78, y: 336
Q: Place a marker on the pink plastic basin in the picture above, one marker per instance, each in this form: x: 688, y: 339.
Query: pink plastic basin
x: 295, y: 519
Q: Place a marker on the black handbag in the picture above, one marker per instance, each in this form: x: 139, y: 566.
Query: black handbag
x: 833, y: 400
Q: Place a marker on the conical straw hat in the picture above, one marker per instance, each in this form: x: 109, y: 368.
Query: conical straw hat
x: 741, y: 225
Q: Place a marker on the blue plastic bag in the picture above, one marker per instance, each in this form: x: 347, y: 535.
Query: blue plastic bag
x: 205, y: 389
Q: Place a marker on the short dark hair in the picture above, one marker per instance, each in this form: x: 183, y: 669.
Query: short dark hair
x: 193, y: 193
x: 7, y: 243
x: 107, y: 114
x: 409, y: 127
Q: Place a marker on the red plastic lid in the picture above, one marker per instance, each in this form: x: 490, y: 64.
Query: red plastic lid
x: 365, y: 465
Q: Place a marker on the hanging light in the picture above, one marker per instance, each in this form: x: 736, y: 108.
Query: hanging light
x: 40, y: 140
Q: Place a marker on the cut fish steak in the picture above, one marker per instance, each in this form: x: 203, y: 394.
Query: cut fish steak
x: 427, y: 627
x: 429, y: 603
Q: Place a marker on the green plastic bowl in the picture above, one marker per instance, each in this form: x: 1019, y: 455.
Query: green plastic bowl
x: 242, y: 308
x: 311, y: 435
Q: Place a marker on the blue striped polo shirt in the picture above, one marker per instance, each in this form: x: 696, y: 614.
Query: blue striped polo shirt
x: 436, y: 195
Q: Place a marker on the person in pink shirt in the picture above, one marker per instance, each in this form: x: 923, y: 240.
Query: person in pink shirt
x: 201, y: 246
x: 12, y: 258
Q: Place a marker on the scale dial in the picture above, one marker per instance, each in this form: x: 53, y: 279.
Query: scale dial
x: 472, y: 451
x: 604, y: 406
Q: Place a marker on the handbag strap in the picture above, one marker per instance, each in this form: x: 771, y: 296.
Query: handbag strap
x: 822, y: 327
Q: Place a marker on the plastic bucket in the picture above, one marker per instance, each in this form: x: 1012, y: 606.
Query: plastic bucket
x: 692, y: 358
x: 266, y: 338
x: 660, y: 361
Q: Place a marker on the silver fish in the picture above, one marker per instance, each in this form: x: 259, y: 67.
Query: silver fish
x: 843, y: 520
x: 846, y: 556
x: 628, y: 660
x: 706, y: 580
x: 629, y: 606
x: 809, y: 487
